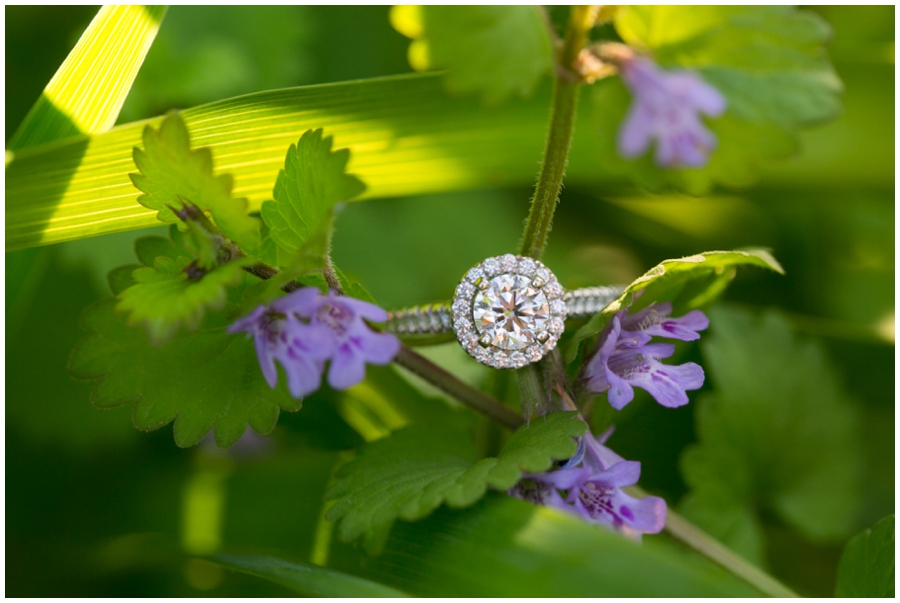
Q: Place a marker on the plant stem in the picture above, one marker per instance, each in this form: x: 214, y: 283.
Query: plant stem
x: 465, y: 393
x: 566, y: 85
x: 681, y: 529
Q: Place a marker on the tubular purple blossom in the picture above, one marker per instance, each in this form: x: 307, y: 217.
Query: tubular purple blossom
x: 666, y: 107
x: 593, y: 490
x: 305, y: 329
x: 625, y: 358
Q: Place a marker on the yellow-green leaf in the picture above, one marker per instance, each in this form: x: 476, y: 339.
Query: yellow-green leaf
x: 313, y: 181
x: 406, y: 136
x: 496, y: 51
x: 89, y: 88
x: 173, y: 173
x: 690, y: 282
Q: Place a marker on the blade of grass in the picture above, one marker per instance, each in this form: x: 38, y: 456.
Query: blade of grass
x: 406, y: 136
x: 88, y: 90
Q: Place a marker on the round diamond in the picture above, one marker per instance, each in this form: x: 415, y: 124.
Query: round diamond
x: 499, y: 359
x: 491, y: 266
x: 556, y: 326
x: 474, y: 274
x: 509, y: 312
x: 527, y: 266
x: 553, y: 289
x: 508, y: 262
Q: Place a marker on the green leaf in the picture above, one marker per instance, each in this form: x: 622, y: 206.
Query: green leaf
x: 867, y: 565
x: 312, y: 182
x: 147, y: 249
x: 689, y: 282
x: 504, y: 547
x: 412, y: 471
x: 202, y: 381
x: 171, y: 172
x: 769, y: 62
x: 121, y: 277
x: 165, y: 299
x: 777, y: 436
x: 306, y: 580
x: 405, y: 134
x: 89, y: 88
x: 496, y: 51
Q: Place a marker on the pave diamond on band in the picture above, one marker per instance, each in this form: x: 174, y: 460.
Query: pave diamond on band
x: 508, y: 311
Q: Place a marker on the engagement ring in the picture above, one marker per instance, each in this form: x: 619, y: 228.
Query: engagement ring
x: 508, y: 311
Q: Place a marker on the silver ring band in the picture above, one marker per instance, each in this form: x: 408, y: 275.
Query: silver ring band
x: 507, y: 311
x: 431, y: 319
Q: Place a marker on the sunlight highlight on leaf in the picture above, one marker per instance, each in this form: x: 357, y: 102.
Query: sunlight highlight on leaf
x: 89, y: 88
x: 406, y: 136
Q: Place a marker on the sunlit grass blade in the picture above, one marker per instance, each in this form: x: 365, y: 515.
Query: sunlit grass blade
x: 405, y: 134
x: 88, y: 90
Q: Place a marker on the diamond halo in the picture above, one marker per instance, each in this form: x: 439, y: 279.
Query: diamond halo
x: 508, y: 311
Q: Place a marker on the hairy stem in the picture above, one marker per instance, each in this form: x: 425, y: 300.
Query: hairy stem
x: 681, y: 529
x: 566, y: 85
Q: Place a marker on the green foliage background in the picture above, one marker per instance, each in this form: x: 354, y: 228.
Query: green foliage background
x: 96, y: 508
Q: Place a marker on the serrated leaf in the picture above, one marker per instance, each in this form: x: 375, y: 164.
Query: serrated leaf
x: 313, y: 181
x: 121, y: 277
x: 689, y: 282
x: 147, y: 249
x: 165, y: 299
x: 202, y: 381
x: 769, y: 62
x: 306, y: 580
x: 867, y: 565
x: 83, y: 97
x: 412, y: 471
x: 171, y: 172
x: 496, y: 51
x: 777, y: 435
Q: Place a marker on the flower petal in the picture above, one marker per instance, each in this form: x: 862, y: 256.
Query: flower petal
x: 600, y: 457
x: 667, y: 384
x: 564, y: 479
x: 635, y: 132
x: 684, y: 328
x: 596, y: 368
x: 316, y: 340
x: 347, y: 368
x: 640, y: 515
x: 377, y: 348
x: 266, y: 360
x: 620, y: 392
x: 623, y: 473
x: 304, y: 375
x: 364, y: 309
x: 250, y: 323
x: 304, y: 301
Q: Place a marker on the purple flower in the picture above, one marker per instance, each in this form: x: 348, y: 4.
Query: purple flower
x: 305, y: 328
x: 666, y: 107
x: 593, y: 491
x: 625, y: 359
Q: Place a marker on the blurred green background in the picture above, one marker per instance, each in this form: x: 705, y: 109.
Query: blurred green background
x: 95, y: 508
